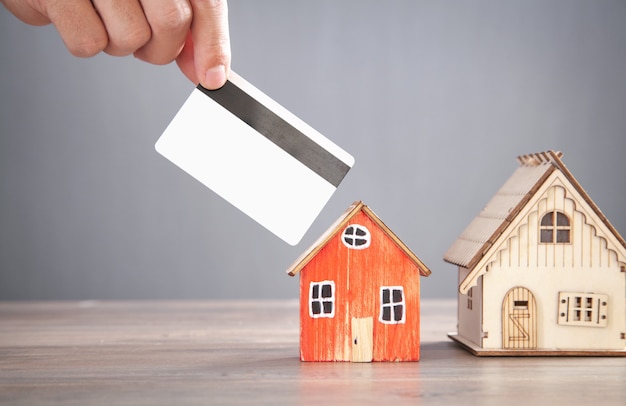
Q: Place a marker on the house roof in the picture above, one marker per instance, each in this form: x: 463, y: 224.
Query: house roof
x: 339, y: 225
x: 479, y: 236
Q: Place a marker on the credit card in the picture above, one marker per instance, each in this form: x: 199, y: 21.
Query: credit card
x: 256, y: 155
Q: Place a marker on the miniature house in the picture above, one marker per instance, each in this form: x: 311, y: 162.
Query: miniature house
x: 359, y: 293
x: 541, y: 270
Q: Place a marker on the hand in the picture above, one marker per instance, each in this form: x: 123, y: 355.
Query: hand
x: 192, y: 32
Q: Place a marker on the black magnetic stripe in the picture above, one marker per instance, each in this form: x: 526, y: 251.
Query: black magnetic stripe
x: 280, y: 132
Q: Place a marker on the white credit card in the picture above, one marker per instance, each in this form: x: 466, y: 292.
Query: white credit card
x: 256, y: 155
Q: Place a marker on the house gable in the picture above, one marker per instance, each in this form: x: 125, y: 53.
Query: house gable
x: 592, y: 245
x: 339, y: 226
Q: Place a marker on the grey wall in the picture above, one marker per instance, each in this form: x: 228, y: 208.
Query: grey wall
x: 434, y: 99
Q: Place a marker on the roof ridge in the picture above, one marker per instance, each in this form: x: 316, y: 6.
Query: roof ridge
x: 541, y: 158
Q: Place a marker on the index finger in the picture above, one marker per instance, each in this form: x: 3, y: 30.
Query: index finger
x: 79, y: 25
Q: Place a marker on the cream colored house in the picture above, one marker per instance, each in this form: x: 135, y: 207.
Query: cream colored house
x: 541, y: 270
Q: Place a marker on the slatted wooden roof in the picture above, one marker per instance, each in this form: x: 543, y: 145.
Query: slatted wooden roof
x: 476, y: 240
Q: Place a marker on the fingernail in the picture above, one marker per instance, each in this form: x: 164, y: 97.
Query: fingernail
x: 215, y: 77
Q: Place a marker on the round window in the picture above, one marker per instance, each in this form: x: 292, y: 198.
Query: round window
x: 356, y: 236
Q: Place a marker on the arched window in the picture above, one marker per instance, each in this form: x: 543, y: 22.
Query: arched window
x: 555, y: 228
x: 356, y: 236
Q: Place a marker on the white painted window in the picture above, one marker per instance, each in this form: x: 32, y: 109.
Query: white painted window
x: 555, y: 228
x: 322, y: 299
x: 583, y: 309
x: 356, y: 236
x: 392, y: 305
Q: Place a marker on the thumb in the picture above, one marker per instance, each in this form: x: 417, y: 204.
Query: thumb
x: 211, y: 42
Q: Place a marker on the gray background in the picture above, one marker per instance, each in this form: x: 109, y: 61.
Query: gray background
x: 434, y: 99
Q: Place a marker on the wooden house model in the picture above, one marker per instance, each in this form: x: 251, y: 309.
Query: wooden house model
x: 541, y: 270
x: 359, y: 293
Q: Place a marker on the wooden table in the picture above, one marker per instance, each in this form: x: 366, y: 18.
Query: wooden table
x: 246, y: 352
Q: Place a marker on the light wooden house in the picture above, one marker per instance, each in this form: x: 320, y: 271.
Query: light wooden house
x: 359, y: 293
x: 541, y: 270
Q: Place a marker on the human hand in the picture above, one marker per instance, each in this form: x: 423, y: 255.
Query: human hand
x: 192, y: 32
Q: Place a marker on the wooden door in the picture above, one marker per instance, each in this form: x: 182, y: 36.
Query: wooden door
x: 519, y: 320
x: 362, y: 339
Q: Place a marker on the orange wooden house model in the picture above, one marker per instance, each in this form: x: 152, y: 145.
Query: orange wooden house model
x: 541, y: 270
x: 359, y: 293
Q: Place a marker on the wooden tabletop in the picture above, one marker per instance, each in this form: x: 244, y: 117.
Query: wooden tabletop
x: 246, y: 352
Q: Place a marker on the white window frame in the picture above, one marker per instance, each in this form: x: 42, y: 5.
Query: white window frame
x: 392, y: 304
x: 583, y: 309
x: 322, y: 300
x: 367, y: 237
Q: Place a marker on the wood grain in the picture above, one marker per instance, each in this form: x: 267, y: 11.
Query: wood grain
x: 228, y: 353
x: 359, y: 276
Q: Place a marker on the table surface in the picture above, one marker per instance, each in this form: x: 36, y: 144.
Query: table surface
x: 246, y: 352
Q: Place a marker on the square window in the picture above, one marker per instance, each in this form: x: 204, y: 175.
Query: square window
x: 398, y: 312
x: 583, y: 309
x: 385, y: 296
x: 322, y: 299
x: 547, y: 236
x: 392, y: 306
x: 562, y: 235
x: 315, y: 291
